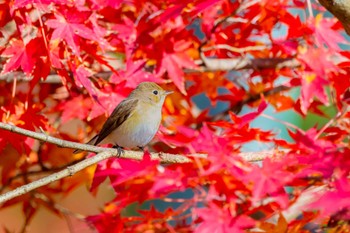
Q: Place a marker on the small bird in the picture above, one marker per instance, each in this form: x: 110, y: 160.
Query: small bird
x: 135, y: 121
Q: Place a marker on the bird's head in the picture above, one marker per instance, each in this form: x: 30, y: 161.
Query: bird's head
x: 150, y: 92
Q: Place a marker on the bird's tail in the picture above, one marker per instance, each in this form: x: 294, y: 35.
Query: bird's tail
x: 91, y: 142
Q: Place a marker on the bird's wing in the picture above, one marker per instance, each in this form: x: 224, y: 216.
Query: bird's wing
x: 117, y: 118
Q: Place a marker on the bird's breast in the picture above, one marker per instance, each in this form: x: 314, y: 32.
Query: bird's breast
x: 139, y: 129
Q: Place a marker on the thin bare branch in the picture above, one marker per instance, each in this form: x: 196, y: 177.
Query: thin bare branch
x: 234, y: 49
x: 136, y: 155
x: 69, y: 171
x: 102, y: 154
x: 241, y: 63
x: 210, y: 64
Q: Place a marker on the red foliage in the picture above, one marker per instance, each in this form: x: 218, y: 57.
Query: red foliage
x: 101, y: 50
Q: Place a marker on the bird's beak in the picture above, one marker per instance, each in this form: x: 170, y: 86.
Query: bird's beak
x: 168, y: 92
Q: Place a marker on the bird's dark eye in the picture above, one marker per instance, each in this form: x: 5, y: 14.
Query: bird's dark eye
x: 155, y: 92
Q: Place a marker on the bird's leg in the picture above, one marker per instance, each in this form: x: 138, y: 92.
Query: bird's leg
x: 119, y: 149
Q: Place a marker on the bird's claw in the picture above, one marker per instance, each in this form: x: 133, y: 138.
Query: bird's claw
x: 119, y: 149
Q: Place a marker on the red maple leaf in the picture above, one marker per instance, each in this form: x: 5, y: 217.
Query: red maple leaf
x: 270, y: 179
x: 123, y: 170
x: 173, y: 63
x: 78, y: 102
x: 312, y: 86
x: 109, y: 220
x: 172, y: 58
x: 308, y: 141
x: 221, y: 220
x: 296, y: 28
x: 107, y: 3
x: 69, y: 26
x: 82, y: 75
x: 5, y: 15
x: 23, y: 55
x: 37, y: 3
x: 313, y: 82
x: 169, y: 180
x: 134, y: 74
x: 325, y: 201
x: 324, y: 32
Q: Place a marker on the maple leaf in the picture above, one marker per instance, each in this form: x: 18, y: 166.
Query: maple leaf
x: 222, y: 220
x: 281, y: 226
x: 341, y: 85
x: 129, y: 169
x: 20, y: 143
x: 123, y: 170
x: 33, y: 118
x: 280, y: 101
x: 108, y: 221
x: 325, y: 200
x: 213, y: 142
x: 107, y: 3
x: 316, y: 60
x: 134, y: 74
x: 70, y: 27
x: 206, y: 85
x: 308, y: 140
x: 240, y: 131
x: 173, y: 64
x: 172, y: 58
x: 42, y: 4
x: 242, y: 121
x: 202, y: 6
x: 82, y: 75
x: 78, y: 102
x: 270, y: 180
x: 324, y: 33
x: 312, y: 85
x: 169, y: 180
x: 5, y: 15
x: 23, y: 55
x: 245, y: 119
x: 296, y: 28
x: 171, y: 12
x: 156, y: 214
x: 313, y: 81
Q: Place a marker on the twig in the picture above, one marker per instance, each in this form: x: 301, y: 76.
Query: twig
x: 69, y: 171
x: 102, y: 154
x: 210, y: 64
x: 45, y: 171
x: 285, y: 123
x: 234, y: 49
x: 136, y: 155
x: 309, y: 8
x: 331, y: 121
x: 240, y: 63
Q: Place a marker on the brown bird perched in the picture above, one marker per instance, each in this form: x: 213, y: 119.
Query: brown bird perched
x: 135, y: 120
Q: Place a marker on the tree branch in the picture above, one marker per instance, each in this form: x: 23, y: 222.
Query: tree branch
x: 102, y: 154
x: 340, y: 9
x: 241, y: 63
x: 210, y: 65
x: 137, y: 155
x: 69, y: 171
